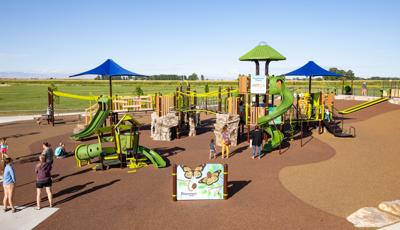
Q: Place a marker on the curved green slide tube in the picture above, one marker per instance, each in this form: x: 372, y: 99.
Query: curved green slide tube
x: 286, y: 103
x: 96, y: 123
x: 153, y: 156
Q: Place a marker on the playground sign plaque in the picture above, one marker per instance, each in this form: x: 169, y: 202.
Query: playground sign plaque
x: 204, y: 182
x: 258, y: 84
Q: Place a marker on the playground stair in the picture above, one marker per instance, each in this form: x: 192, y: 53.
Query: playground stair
x: 334, y: 128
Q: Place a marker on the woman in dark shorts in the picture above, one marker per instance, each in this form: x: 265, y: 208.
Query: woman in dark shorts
x: 43, y: 179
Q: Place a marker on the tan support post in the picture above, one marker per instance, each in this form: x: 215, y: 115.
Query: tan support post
x: 226, y: 181
x: 174, y: 182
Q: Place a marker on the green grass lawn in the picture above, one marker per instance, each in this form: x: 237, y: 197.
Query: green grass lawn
x: 30, y: 96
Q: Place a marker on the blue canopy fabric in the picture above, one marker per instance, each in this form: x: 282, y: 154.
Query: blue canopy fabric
x: 312, y: 69
x: 109, y: 68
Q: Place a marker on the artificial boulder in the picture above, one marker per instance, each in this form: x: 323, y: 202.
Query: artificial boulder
x: 161, y: 126
x: 232, y: 123
x: 392, y: 207
x: 192, y: 127
x: 370, y: 217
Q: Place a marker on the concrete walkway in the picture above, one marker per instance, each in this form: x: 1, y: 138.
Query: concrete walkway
x: 8, y: 119
x: 391, y: 227
x: 25, y: 218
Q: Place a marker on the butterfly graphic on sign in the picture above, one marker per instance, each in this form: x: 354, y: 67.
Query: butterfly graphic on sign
x: 202, y: 182
x: 192, y: 175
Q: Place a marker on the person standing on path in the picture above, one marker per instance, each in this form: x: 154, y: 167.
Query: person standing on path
x: 226, y: 142
x: 364, y: 89
x: 9, y: 181
x: 257, y: 137
x: 43, y: 179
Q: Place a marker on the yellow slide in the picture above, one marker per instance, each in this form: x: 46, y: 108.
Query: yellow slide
x: 363, y: 105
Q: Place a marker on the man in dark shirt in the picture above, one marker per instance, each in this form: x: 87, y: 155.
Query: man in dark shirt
x: 257, y: 137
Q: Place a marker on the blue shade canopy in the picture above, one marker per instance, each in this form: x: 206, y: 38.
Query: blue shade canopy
x: 109, y: 68
x: 311, y: 69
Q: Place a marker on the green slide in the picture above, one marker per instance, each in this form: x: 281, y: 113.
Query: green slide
x: 363, y: 105
x: 154, y: 157
x: 96, y: 122
x: 286, y: 103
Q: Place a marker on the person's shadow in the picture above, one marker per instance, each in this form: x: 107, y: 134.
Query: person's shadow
x: 239, y: 150
x: 72, y: 174
x: 236, y: 186
x: 72, y: 189
x: 87, y: 191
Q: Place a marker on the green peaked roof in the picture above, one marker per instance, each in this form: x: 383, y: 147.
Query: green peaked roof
x: 262, y: 52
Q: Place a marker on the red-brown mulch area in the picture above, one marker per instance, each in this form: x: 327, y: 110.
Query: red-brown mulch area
x: 142, y: 200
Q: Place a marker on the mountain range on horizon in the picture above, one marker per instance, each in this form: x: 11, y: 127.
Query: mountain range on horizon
x: 32, y: 75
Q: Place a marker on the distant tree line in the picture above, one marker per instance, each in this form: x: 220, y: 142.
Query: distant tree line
x: 383, y: 78
x: 169, y: 77
x: 349, y: 75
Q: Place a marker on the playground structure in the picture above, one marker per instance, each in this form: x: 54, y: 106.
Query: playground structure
x: 293, y: 113
x: 125, y: 149
x: 97, y: 121
x: 178, y: 114
x: 187, y: 105
x: 183, y: 108
x: 124, y: 104
x: 123, y: 134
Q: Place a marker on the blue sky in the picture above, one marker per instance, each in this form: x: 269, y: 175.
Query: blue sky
x: 206, y: 37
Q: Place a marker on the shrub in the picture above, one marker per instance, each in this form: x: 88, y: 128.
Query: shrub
x: 139, y: 91
x: 347, y: 90
x: 206, y: 88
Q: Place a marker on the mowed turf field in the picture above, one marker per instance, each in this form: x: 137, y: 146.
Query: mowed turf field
x: 30, y: 96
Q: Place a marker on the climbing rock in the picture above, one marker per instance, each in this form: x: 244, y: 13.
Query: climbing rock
x: 161, y: 126
x: 370, y: 217
x: 232, y: 121
x: 192, y: 127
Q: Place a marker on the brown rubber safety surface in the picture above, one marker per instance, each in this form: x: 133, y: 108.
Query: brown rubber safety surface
x: 363, y: 173
x: 142, y: 200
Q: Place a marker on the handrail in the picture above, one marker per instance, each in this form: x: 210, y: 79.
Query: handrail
x: 209, y: 94
x: 341, y: 114
x: 75, y: 96
x: 351, y: 128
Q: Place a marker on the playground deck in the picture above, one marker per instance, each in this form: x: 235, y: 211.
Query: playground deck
x: 142, y: 200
